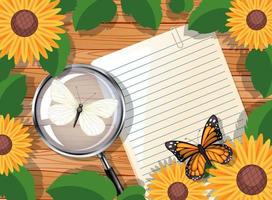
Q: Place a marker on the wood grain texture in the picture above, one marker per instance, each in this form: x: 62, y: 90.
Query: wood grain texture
x: 45, y: 164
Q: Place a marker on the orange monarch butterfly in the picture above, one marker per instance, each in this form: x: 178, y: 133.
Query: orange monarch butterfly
x: 202, y: 154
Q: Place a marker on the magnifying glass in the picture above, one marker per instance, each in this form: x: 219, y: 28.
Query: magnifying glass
x: 80, y: 114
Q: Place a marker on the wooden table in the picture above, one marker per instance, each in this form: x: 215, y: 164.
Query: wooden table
x: 46, y: 165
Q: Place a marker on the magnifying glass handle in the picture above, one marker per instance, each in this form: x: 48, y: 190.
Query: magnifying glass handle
x: 111, y: 173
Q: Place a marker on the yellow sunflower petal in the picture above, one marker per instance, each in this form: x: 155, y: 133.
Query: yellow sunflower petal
x: 259, y: 143
x: 53, y: 4
x: 24, y: 48
x: 251, y: 150
x: 13, y: 48
x: 241, y: 151
x: 15, y: 43
x: 14, y: 5
x: 15, y: 154
x: 34, y: 48
x: 38, y: 7
x: 252, y: 157
x: 247, y: 31
x: 170, y: 174
x: 8, y: 7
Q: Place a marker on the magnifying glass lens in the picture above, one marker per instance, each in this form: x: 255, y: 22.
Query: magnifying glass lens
x: 86, y: 86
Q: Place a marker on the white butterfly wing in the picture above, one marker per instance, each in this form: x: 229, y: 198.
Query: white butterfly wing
x: 61, y: 114
x: 91, y: 124
x: 102, y: 108
x: 65, y: 111
x: 61, y: 94
x: 90, y: 120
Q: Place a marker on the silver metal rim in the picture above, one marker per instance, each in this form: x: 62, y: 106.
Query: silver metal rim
x: 114, y: 136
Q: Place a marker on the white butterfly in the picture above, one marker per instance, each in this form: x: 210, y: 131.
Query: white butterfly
x: 88, y: 114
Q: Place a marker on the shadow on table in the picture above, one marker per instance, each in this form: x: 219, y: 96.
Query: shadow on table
x: 176, y: 17
x: 138, y: 27
x: 99, y: 29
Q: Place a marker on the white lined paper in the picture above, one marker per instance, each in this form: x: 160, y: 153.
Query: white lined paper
x: 170, y: 91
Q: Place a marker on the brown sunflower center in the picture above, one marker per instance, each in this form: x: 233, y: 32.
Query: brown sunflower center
x: 5, y: 144
x: 251, y: 179
x: 256, y: 20
x: 177, y: 191
x: 24, y: 23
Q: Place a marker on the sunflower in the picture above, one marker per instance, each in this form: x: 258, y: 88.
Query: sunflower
x: 28, y: 28
x: 250, y: 22
x: 249, y: 176
x: 14, y: 144
x: 171, y: 183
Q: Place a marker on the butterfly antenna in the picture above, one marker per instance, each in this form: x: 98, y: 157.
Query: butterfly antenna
x: 77, y: 94
x: 198, y: 137
x: 195, y: 140
x: 89, y: 97
x: 192, y: 140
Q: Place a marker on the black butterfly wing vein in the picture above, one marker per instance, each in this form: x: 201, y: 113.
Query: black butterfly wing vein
x: 200, y: 156
x: 188, y: 170
x: 223, y: 153
x: 181, y: 150
x: 211, y: 132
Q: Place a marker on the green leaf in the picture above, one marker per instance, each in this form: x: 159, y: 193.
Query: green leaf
x: 57, y: 59
x: 189, y: 5
x: 207, y: 172
x: 18, y: 185
x: 6, y: 66
x: 133, y: 193
x: 178, y: 6
x: 259, y: 63
x: 12, y: 94
x: 67, y: 6
x: 84, y: 186
x: 88, y: 14
x: 259, y: 121
x: 147, y: 13
x: 210, y: 16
